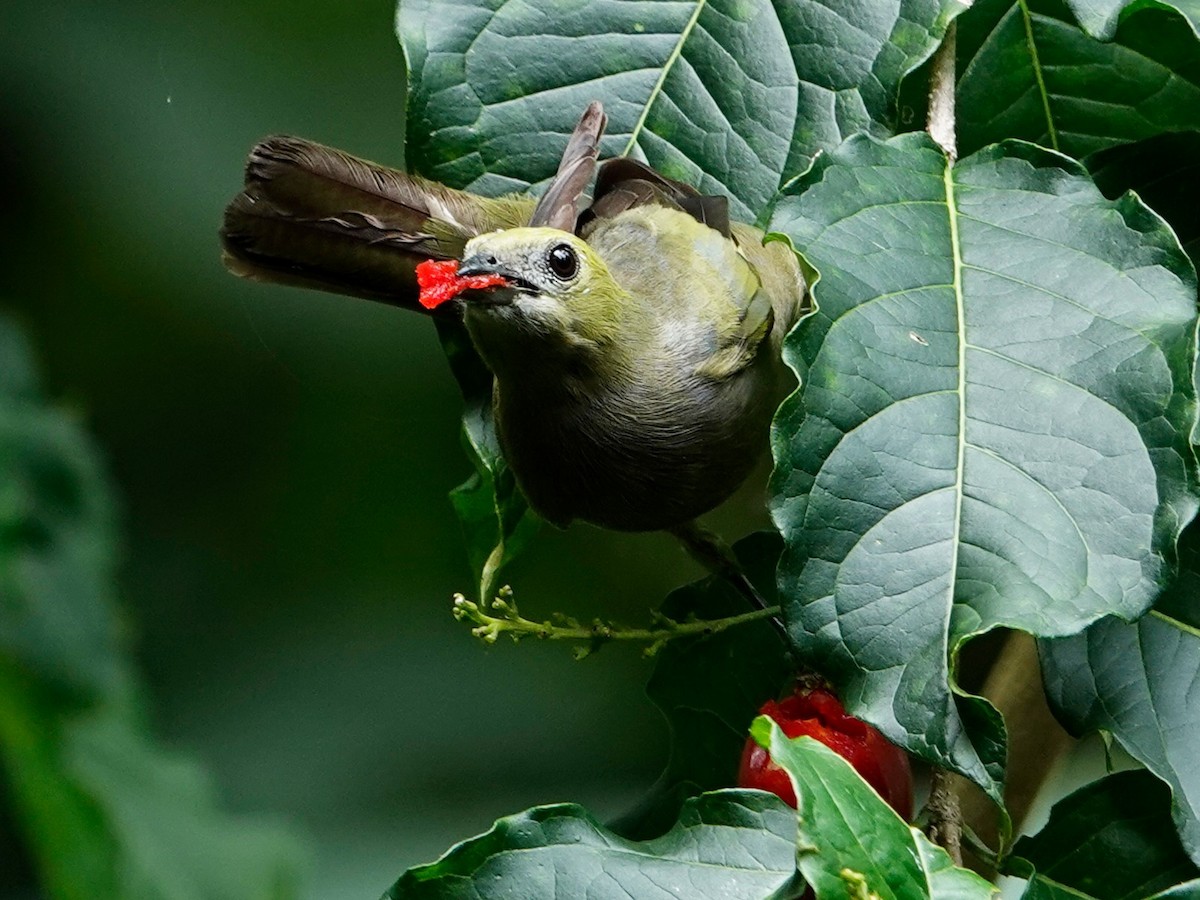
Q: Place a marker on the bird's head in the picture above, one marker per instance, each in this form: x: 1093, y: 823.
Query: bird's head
x: 558, y: 293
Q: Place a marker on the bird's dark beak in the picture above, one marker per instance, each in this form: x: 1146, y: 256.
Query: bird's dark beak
x: 483, y: 264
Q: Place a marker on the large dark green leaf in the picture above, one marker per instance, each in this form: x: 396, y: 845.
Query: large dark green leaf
x: 1026, y: 70
x: 1165, y: 173
x: 1139, y: 682
x: 726, y: 845
x: 1112, y: 840
x: 851, y: 843
x: 711, y: 688
x: 732, y: 97
x: 104, y: 813
x: 993, y: 428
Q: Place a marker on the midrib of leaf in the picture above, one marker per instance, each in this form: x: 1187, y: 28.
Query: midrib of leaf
x: 1175, y: 623
x: 880, y: 872
x: 956, y: 258
x: 662, y: 76
x: 1027, y: 18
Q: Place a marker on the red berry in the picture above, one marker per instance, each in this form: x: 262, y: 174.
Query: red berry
x: 818, y: 713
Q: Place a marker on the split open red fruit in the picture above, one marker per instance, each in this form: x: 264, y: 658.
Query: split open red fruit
x: 440, y: 282
x: 816, y: 712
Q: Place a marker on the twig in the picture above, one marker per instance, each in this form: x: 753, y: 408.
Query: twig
x: 490, y: 620
x: 940, y: 123
x: 945, y: 817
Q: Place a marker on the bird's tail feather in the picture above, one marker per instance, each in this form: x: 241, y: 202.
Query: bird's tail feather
x: 315, y: 217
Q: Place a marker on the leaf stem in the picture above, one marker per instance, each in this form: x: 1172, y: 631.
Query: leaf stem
x: 501, y: 616
x: 980, y: 849
x: 940, y: 123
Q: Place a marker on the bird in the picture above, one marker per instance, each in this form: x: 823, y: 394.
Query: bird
x: 634, y: 340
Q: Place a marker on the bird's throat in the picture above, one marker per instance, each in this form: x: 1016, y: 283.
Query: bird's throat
x: 524, y: 355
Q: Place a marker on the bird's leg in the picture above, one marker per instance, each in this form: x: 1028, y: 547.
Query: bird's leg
x: 707, y: 548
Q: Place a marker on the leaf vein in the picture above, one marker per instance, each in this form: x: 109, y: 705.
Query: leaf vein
x: 1037, y: 72
x: 662, y: 78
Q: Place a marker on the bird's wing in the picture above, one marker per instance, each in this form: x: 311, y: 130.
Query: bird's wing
x: 705, y: 295
x: 763, y: 284
x: 741, y: 346
x: 559, y: 205
x: 624, y: 184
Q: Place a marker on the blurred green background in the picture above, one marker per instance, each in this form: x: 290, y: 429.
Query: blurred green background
x: 283, y: 457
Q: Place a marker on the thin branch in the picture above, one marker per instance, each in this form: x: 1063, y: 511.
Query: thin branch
x: 945, y: 818
x: 940, y: 123
x: 490, y: 620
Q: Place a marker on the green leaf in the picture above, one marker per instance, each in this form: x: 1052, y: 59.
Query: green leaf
x: 1181, y: 601
x: 726, y: 845
x: 65, y: 832
x: 1100, y: 18
x: 849, y: 839
x: 711, y: 688
x: 109, y: 815
x: 1044, y: 889
x: 946, y: 880
x: 993, y: 428
x: 57, y: 528
x: 1165, y: 173
x: 1028, y: 71
x: 1112, y: 840
x: 104, y: 813
x: 1189, y: 890
x: 496, y: 520
x: 734, y: 98
x: 1041, y: 889
x: 1138, y: 682
x: 170, y: 838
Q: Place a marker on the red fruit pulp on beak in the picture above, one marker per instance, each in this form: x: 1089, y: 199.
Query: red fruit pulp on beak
x: 817, y: 713
x: 439, y: 282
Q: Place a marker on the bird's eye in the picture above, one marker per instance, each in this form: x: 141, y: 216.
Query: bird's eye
x: 562, y: 261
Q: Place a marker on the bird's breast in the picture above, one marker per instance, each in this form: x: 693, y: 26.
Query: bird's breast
x: 640, y: 456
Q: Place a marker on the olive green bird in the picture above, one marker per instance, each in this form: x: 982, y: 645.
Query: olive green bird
x: 635, y: 343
